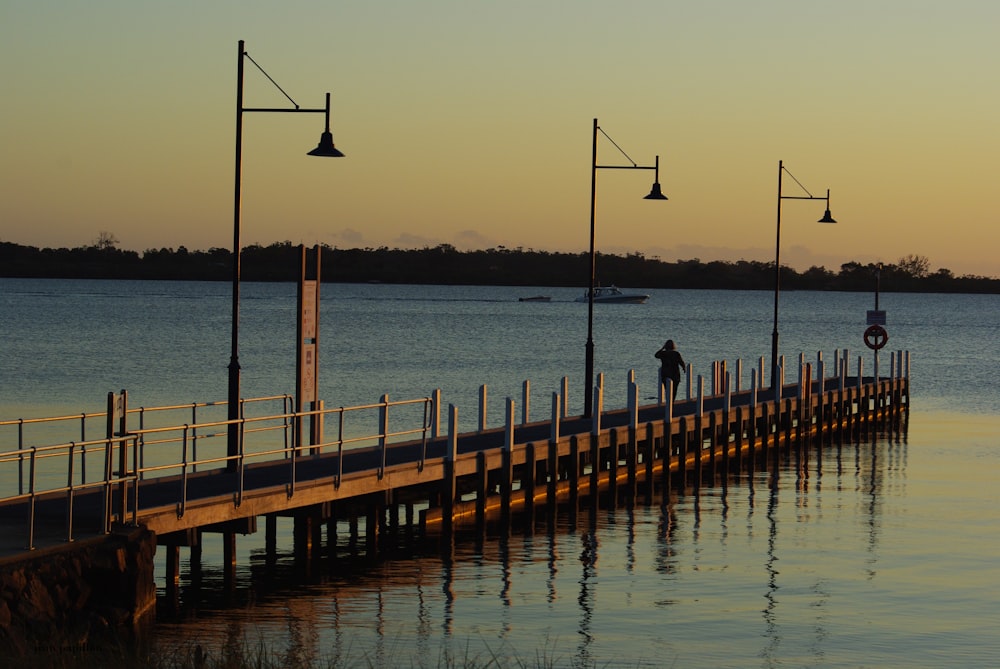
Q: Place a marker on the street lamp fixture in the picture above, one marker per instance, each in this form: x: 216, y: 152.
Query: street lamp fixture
x: 654, y: 194
x: 827, y: 218
x: 325, y: 148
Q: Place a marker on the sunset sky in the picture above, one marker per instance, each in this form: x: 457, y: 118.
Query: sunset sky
x: 469, y: 123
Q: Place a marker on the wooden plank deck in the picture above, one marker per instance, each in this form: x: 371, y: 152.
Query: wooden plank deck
x: 481, y: 479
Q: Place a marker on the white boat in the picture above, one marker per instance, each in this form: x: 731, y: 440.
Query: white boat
x: 613, y: 295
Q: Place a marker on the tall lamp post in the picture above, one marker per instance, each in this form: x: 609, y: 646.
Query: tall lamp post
x: 827, y: 218
x: 325, y: 148
x: 654, y: 194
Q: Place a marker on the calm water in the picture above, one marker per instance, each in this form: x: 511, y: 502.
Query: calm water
x: 878, y: 554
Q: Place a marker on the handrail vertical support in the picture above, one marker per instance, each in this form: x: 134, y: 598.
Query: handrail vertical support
x: 526, y: 402
x: 436, y: 413
x: 383, y: 428
x: 556, y: 416
x: 482, y: 407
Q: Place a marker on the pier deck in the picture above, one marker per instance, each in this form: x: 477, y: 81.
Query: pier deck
x: 449, y: 479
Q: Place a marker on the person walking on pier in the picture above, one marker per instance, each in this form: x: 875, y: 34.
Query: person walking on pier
x: 671, y: 364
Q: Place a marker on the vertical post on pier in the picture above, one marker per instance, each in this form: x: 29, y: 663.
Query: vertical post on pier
x: 307, y: 350
x: 667, y: 448
x: 699, y: 431
x: 109, y: 458
x: 556, y: 422
x: 528, y: 486
x: 564, y: 385
x: 752, y: 423
x: 506, y: 465
x: 173, y: 576
x: 121, y: 411
x: 271, y: 538
x: 632, y: 448
x: 727, y: 422
x: 448, y: 488
x: 482, y: 408
x: 482, y: 490
x: 526, y: 402
x: 383, y: 431
x: 229, y: 560
x: 436, y: 413
x: 682, y: 453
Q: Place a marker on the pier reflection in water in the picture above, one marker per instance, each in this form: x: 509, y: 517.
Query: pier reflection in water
x: 760, y: 565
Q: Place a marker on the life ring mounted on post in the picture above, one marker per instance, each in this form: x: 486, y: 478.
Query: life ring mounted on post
x: 876, y: 337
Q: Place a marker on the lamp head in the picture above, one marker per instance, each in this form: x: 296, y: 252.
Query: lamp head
x: 655, y: 193
x: 827, y: 218
x: 326, y: 148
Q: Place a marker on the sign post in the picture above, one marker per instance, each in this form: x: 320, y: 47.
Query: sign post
x: 876, y: 335
x: 307, y: 350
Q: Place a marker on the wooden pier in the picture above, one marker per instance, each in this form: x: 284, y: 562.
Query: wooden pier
x: 421, y: 481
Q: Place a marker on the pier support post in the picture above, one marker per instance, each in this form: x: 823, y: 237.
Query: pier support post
x: 229, y: 560
x: 448, y: 487
x: 482, y: 489
x: 507, y: 466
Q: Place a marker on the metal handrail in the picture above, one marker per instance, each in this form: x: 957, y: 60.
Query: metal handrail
x: 71, y: 489
x: 150, y: 442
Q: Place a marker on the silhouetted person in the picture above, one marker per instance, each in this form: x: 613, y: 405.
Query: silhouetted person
x: 671, y: 364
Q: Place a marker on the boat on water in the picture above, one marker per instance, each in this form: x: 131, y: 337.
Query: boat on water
x: 535, y: 298
x: 613, y: 295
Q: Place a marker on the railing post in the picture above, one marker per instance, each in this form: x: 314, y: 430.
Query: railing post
x: 728, y: 392
x: 436, y: 413
x: 508, y: 425
x: 780, y: 381
x: 122, y: 411
x: 668, y: 400
x: 448, y: 484
x: 383, y: 428
x: 506, y: 463
x: 598, y: 404
x: 633, y: 404
x: 31, y: 501
x: 69, y: 487
x: 526, y: 402
x: 738, y: 375
x: 700, y: 408
x: 482, y: 408
x: 108, y: 460
x: 181, y: 506
x: 565, y: 396
x: 556, y: 414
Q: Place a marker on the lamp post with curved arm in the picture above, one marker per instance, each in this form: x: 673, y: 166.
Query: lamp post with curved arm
x: 827, y: 218
x: 654, y: 194
x: 325, y: 148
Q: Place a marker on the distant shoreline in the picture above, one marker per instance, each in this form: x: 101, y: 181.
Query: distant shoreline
x: 444, y: 265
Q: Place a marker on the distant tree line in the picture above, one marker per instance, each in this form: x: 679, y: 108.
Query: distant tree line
x: 445, y: 265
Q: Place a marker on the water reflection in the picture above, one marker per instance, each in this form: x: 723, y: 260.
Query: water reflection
x: 588, y: 560
x: 648, y: 578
